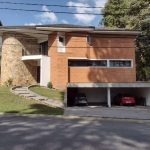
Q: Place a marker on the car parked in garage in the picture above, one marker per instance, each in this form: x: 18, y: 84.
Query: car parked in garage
x: 80, y: 99
x: 124, y: 99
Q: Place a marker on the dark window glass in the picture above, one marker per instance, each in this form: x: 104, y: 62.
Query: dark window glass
x: 98, y: 63
x: 88, y: 39
x: 61, y: 39
x: 117, y: 63
x: 86, y: 63
x: 44, y: 48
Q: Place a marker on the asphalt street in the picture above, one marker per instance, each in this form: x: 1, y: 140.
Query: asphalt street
x: 31, y: 132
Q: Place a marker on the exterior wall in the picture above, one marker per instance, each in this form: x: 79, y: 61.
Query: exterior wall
x: 101, y: 75
x: 101, y: 47
x: 12, y: 65
x: 95, y: 95
x: 104, y: 47
x: 58, y: 64
x: 45, y: 71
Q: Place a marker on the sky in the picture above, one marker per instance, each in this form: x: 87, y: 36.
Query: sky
x: 14, y: 18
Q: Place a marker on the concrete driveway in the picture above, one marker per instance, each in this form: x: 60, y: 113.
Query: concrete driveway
x: 121, y: 112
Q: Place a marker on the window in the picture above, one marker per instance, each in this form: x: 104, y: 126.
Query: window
x: 120, y: 63
x: 98, y: 63
x: 61, y: 39
x: 87, y: 63
x: 43, y: 49
x: 88, y: 39
x: 61, y: 42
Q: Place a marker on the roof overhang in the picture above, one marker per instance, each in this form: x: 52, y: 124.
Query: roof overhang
x: 118, y: 32
x: 110, y: 85
x: 40, y: 35
x: 63, y: 29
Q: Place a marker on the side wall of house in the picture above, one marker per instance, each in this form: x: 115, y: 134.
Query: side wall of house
x: 101, y: 47
x: 12, y: 66
x: 104, y: 47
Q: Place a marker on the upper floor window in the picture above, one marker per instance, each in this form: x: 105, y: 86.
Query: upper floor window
x: 88, y: 39
x: 120, y: 63
x: 86, y: 63
x: 61, y: 39
x: 61, y: 42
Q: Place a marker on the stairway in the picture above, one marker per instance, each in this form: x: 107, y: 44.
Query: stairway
x: 25, y: 92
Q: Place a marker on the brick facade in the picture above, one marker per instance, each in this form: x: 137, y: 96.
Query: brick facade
x: 101, y: 47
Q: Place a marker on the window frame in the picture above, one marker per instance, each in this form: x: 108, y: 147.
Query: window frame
x: 107, y: 61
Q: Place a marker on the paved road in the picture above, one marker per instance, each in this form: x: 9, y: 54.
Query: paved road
x: 68, y: 133
x: 137, y: 112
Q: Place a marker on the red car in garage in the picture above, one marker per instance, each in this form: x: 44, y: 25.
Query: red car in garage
x: 124, y: 99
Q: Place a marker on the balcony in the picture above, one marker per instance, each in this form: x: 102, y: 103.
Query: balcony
x: 32, y: 50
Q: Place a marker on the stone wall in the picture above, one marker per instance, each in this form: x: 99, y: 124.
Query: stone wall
x: 12, y: 66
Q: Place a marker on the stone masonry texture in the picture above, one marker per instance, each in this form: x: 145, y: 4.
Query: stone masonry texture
x: 12, y: 66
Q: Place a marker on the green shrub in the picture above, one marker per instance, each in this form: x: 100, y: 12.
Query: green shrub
x: 9, y: 81
x: 49, y: 85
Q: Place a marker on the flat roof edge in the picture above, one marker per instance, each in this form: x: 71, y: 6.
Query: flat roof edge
x: 111, y: 85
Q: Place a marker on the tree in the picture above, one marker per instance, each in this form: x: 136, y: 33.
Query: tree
x: 139, y: 13
x: 114, y: 14
x: 133, y: 14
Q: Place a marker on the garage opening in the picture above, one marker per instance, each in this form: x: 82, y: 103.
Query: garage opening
x: 95, y: 96
x: 98, y: 96
x: 137, y: 93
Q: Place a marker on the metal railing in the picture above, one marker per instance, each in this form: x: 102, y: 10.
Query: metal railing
x: 32, y: 50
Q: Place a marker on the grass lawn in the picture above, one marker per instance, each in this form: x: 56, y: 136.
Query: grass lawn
x: 10, y: 103
x: 50, y: 93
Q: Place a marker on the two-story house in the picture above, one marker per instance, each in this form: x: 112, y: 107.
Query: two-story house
x: 97, y: 61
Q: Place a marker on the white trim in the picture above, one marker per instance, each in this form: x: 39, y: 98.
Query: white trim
x: 61, y: 46
x: 78, y: 58
x: 108, y: 62
x: 31, y: 57
x: 111, y: 85
x: 121, y: 60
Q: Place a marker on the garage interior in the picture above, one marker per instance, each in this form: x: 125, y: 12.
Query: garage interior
x: 99, y: 96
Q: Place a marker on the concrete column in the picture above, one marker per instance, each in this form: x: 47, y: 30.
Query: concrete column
x: 108, y: 97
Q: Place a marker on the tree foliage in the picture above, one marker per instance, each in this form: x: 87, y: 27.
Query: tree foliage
x: 114, y: 14
x: 134, y: 14
x: 139, y: 13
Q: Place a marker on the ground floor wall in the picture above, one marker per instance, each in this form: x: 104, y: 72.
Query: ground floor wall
x: 107, y: 75
x: 21, y: 73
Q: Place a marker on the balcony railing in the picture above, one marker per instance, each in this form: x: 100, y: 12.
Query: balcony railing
x: 32, y: 50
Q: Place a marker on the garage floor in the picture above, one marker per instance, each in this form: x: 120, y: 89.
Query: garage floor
x: 122, y: 112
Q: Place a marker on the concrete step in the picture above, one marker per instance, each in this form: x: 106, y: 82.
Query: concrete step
x: 23, y: 91
x: 19, y: 90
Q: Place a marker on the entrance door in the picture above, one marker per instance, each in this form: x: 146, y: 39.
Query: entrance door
x: 38, y: 74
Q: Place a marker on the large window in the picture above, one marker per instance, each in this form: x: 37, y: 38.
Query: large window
x: 120, y: 63
x: 100, y: 63
x: 86, y: 63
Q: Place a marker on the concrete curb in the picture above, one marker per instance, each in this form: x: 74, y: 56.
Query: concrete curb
x: 72, y: 117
